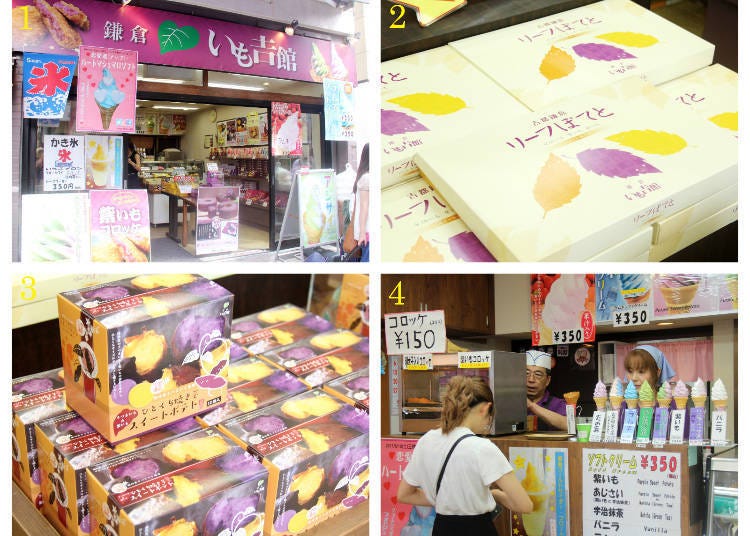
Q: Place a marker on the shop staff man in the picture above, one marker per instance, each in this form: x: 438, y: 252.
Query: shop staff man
x: 550, y: 410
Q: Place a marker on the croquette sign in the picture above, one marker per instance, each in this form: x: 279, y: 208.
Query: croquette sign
x: 165, y: 38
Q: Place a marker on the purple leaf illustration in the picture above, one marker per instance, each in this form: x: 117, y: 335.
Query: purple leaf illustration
x: 599, y: 52
x: 466, y: 246
x: 392, y: 122
x: 614, y: 163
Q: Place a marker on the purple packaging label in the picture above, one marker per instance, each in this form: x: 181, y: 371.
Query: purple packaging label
x: 697, y: 420
x: 661, y: 424
x: 629, y: 426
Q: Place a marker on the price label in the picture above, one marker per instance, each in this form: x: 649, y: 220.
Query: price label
x: 567, y: 336
x: 415, y: 333
x: 418, y: 362
x: 661, y: 426
x: 677, y: 427
x: 719, y: 427
x: 633, y: 315
x: 597, y: 426
x: 629, y: 426
x: 610, y: 426
x: 570, y: 413
x: 474, y: 360
x: 659, y: 463
x: 697, y: 424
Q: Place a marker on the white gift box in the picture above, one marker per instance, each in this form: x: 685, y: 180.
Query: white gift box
x: 710, y: 92
x: 548, y: 59
x: 568, y: 182
x: 419, y: 226
x: 665, y: 229
x: 633, y: 249
x: 430, y: 97
x: 692, y: 234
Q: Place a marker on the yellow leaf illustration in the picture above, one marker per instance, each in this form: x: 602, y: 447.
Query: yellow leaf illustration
x: 725, y: 120
x: 430, y: 103
x: 650, y: 141
x: 557, y: 184
x: 557, y: 64
x: 423, y: 251
x: 629, y: 39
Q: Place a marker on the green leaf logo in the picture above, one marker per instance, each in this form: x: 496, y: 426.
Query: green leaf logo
x: 172, y: 37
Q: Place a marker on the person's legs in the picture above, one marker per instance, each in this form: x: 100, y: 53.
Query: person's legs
x: 365, y: 253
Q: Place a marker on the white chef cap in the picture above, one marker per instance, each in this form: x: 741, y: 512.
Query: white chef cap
x: 538, y: 359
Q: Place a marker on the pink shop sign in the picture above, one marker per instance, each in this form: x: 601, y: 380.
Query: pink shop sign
x: 165, y: 38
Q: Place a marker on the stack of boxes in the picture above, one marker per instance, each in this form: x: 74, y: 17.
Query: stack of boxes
x: 150, y: 365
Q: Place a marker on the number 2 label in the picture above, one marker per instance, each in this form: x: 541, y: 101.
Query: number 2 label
x: 402, y: 11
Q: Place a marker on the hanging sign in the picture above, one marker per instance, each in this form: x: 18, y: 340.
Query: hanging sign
x: 338, y: 98
x: 415, y: 333
x: 46, y: 83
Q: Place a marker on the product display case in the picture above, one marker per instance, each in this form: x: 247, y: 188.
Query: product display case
x: 421, y: 392
x: 723, y: 494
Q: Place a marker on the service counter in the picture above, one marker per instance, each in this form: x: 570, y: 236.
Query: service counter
x: 606, y: 488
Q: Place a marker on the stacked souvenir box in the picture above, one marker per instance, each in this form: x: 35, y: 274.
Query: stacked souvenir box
x: 635, y: 248
x: 253, y: 384
x: 35, y: 398
x: 353, y: 388
x: 276, y: 327
x: 67, y: 446
x: 430, y: 97
x: 580, y: 177
x: 141, y: 353
x: 199, y: 483
x: 324, y: 357
x: 584, y: 49
x: 316, y: 450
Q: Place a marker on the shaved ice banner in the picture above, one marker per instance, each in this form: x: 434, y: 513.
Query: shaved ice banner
x: 563, y: 309
x: 106, y: 90
x: 46, y: 83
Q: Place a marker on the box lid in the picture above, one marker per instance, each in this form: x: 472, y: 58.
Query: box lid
x: 37, y: 389
x: 354, y: 386
x: 144, y: 297
x: 261, y: 332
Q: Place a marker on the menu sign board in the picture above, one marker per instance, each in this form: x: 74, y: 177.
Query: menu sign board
x: 399, y: 519
x: 338, y: 98
x: 415, y: 333
x: 217, y: 223
x: 64, y: 163
x: 631, y: 492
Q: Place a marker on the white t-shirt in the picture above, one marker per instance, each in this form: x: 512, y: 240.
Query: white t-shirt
x: 363, y: 184
x: 475, y: 464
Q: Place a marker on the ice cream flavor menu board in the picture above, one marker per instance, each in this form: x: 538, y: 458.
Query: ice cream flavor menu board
x: 432, y: 96
x: 590, y: 47
x: 106, y: 90
x: 543, y: 473
x: 575, y: 179
x: 562, y: 309
x: 398, y: 519
x: 631, y: 492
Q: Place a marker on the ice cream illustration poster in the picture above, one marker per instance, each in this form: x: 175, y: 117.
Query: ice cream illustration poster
x: 103, y: 161
x: 338, y: 98
x: 563, y: 308
x: 398, y: 519
x: 64, y: 157
x: 621, y: 292
x: 694, y: 294
x: 62, y: 235
x: 106, y: 90
x: 286, y: 125
x: 543, y: 474
x: 46, y: 83
x: 120, y: 226
x: 353, y: 311
x: 318, y: 207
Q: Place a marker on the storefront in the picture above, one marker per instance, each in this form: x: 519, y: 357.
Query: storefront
x: 562, y: 126
x: 604, y: 467
x: 250, y: 393
x: 213, y: 104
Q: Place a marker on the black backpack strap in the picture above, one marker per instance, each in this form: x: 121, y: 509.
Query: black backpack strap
x: 442, y: 470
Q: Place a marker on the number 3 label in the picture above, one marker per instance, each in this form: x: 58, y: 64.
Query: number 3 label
x: 28, y: 292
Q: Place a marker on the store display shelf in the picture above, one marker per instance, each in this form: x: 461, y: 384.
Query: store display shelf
x: 28, y: 521
x: 246, y: 177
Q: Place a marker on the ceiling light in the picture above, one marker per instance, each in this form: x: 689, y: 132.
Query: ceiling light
x: 664, y: 323
x: 290, y: 28
x: 162, y: 80
x: 184, y: 108
x: 234, y: 86
x: 126, y: 2
x: 266, y: 84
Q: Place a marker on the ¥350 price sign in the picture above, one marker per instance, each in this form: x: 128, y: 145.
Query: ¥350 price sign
x: 415, y: 333
x: 567, y: 336
x: 633, y: 315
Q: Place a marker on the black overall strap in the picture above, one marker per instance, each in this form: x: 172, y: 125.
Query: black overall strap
x: 442, y: 470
